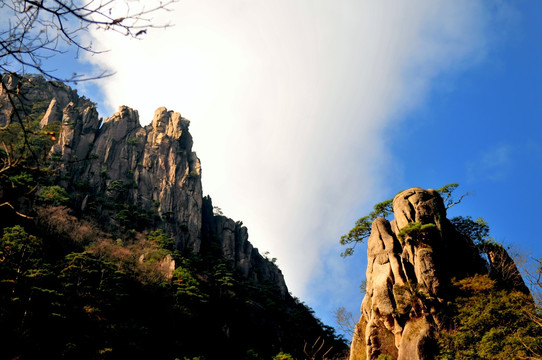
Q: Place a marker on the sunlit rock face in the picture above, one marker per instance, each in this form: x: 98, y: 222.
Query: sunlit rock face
x: 151, y: 167
x: 154, y: 167
x: 411, y: 260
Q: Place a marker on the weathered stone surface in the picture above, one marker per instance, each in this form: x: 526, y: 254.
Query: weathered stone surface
x: 408, y: 268
x: 358, y: 347
x: 166, y: 266
x: 418, y: 205
x: 417, y: 337
x: 153, y: 166
x: 504, y: 269
x: 77, y: 135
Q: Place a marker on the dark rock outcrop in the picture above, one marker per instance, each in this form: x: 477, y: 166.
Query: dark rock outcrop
x: 232, y: 238
x: 33, y: 90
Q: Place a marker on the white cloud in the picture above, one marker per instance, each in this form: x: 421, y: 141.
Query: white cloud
x: 290, y: 102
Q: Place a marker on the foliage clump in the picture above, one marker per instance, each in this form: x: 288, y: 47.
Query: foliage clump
x: 489, y: 322
x: 54, y: 195
x: 416, y: 231
x: 83, y: 300
x: 362, y: 227
x: 283, y: 356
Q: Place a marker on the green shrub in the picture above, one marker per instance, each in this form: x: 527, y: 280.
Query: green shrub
x: 133, y: 141
x: 55, y: 195
x: 162, y: 240
x: 415, y: 230
x: 283, y: 356
x: 384, y: 357
x: 490, y: 323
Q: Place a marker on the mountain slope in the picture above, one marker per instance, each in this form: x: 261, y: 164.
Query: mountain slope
x: 109, y: 249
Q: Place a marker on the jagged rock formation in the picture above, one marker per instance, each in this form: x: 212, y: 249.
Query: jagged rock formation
x: 232, y: 238
x: 410, y: 262
x: 147, y: 176
x: 151, y: 166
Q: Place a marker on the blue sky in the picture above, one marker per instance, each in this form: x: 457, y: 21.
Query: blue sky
x: 306, y: 113
x: 482, y: 129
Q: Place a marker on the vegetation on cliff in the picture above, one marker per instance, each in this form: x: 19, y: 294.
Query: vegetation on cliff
x: 362, y: 227
x: 67, y: 299
x: 488, y: 321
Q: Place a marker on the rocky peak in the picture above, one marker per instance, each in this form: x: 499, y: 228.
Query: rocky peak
x: 169, y: 123
x: 418, y: 205
x: 410, y: 262
x: 151, y: 169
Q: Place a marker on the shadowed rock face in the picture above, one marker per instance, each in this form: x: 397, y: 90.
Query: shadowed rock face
x: 36, y: 89
x: 410, y: 262
x: 232, y: 238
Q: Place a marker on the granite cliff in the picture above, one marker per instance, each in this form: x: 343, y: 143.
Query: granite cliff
x: 151, y: 170
x: 411, y: 263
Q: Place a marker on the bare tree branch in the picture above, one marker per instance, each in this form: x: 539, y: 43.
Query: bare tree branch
x: 39, y: 29
x: 16, y: 212
x: 345, y: 321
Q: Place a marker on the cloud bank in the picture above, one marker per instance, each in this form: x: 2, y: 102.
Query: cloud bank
x: 292, y: 104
